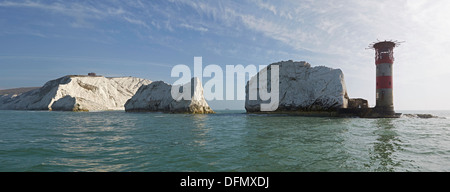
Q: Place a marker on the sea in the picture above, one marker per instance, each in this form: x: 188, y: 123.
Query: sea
x: 228, y: 141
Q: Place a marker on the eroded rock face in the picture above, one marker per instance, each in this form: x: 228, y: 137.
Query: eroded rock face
x: 157, y: 97
x: 303, y: 88
x: 77, y: 93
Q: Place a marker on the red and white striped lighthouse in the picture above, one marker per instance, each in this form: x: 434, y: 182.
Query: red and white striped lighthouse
x: 384, y: 60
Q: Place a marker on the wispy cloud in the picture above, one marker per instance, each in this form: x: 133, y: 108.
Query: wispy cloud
x: 67, y: 9
x: 275, y: 28
x: 23, y: 32
x: 136, y: 22
x: 266, y: 6
x: 188, y: 26
x: 77, y: 10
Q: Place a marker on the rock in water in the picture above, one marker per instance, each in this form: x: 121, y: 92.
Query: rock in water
x: 303, y: 88
x: 77, y: 93
x: 157, y: 97
x: 422, y: 116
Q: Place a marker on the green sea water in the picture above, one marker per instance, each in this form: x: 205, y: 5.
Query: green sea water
x: 227, y: 141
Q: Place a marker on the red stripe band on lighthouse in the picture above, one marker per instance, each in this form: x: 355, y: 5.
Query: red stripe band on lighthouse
x: 384, y: 82
x: 385, y: 59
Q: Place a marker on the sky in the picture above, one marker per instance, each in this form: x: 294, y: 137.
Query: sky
x: 42, y: 40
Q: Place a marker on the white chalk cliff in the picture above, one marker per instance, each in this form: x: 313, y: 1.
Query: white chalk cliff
x: 157, y: 97
x: 77, y: 93
x: 303, y: 88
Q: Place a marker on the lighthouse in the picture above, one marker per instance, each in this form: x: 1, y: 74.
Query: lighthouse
x: 384, y: 60
x: 384, y: 108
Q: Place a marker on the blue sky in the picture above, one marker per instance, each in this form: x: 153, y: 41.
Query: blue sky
x: 44, y: 40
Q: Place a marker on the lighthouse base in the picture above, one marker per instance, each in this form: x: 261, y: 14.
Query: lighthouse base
x: 382, y: 113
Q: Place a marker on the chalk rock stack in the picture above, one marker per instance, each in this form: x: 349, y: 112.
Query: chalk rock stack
x: 303, y: 88
x: 157, y: 97
x: 77, y: 93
